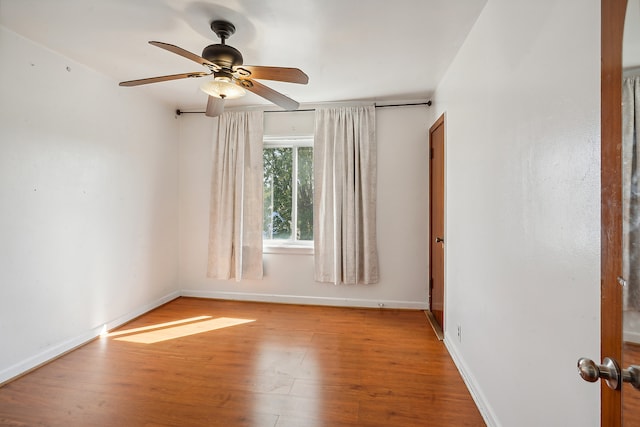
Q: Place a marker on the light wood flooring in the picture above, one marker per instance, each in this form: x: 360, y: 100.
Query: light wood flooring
x: 199, y: 362
x: 630, y: 395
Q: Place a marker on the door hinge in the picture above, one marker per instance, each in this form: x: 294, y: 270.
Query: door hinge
x: 430, y: 284
x: 431, y: 152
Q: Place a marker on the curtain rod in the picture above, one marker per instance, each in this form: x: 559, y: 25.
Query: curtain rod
x: 428, y: 103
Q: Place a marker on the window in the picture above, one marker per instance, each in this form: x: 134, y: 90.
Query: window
x: 288, y: 192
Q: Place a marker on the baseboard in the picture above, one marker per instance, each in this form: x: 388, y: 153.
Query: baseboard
x: 304, y: 300
x: 56, y: 350
x: 481, y: 402
x: 437, y: 329
x: 141, y: 310
x: 631, y: 336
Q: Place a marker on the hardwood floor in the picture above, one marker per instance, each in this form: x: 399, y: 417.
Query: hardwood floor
x: 630, y: 396
x: 275, y: 365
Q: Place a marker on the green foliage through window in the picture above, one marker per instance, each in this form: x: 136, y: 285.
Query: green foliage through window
x: 288, y: 192
x: 305, y: 193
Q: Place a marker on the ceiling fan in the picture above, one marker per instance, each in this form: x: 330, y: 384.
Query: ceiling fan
x: 230, y: 76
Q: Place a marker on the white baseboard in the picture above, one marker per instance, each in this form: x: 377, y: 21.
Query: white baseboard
x: 481, y: 402
x: 141, y: 310
x: 631, y: 336
x: 305, y: 300
x: 58, y: 349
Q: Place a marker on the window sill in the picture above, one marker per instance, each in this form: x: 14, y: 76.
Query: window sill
x: 288, y: 249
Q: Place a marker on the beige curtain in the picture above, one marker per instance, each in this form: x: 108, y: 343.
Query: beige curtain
x: 345, y: 169
x: 631, y: 190
x: 235, y: 231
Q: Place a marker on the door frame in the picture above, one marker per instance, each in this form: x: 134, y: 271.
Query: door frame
x: 439, y: 122
x: 612, y: 29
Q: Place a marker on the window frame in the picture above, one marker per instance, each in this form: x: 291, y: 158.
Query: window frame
x: 290, y: 246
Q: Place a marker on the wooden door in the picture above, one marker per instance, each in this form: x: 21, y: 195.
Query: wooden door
x: 613, y: 12
x: 436, y: 221
x: 620, y: 406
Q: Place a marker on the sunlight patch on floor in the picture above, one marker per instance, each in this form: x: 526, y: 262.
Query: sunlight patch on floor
x: 157, y: 326
x: 184, y: 330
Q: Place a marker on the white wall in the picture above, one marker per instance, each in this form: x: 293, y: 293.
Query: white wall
x: 522, y: 107
x: 88, y: 183
x: 402, y: 218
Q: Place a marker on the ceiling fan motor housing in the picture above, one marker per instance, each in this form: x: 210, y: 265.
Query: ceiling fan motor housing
x: 223, y: 55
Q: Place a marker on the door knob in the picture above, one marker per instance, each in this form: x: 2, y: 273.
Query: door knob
x: 610, y: 372
x: 632, y: 375
x: 439, y: 240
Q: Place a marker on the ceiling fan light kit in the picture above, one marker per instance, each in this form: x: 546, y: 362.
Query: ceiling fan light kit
x: 223, y: 89
x: 230, y: 76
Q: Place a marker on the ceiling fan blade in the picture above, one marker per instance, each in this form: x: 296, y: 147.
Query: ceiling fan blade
x: 186, y: 54
x: 162, y: 79
x: 269, y: 94
x: 281, y: 74
x: 215, y: 106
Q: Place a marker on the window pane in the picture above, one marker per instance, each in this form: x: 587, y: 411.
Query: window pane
x: 305, y: 193
x: 278, y: 167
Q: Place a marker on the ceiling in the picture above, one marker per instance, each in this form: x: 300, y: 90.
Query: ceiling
x: 352, y: 50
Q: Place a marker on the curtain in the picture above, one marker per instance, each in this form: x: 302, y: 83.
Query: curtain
x: 345, y: 173
x: 631, y: 190
x: 235, y: 231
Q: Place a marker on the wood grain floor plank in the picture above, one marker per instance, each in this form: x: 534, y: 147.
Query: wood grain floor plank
x: 289, y: 366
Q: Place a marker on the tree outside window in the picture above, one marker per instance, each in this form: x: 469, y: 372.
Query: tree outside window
x: 288, y: 191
